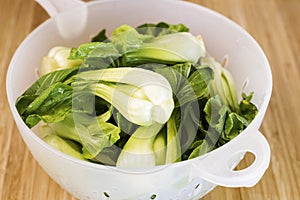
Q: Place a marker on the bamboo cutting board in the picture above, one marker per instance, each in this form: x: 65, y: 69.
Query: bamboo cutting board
x: 275, y: 24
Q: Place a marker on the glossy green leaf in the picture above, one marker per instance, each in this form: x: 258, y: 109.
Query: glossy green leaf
x: 161, y: 28
x: 100, y: 37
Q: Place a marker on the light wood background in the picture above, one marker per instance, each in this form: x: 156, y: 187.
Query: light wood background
x: 275, y: 24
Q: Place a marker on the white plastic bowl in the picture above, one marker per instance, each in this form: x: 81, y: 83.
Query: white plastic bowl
x: 184, y: 180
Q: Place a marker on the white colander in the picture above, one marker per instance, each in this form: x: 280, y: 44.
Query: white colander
x: 73, y: 22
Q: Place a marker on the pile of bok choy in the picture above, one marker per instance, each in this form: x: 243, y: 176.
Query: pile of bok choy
x: 141, y: 97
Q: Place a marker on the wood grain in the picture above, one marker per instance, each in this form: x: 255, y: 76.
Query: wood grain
x: 275, y: 24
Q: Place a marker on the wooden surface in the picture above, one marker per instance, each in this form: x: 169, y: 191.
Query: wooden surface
x: 275, y: 24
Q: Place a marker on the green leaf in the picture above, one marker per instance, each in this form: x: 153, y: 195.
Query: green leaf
x: 216, y: 113
x: 126, y: 38
x: 197, y: 86
x: 176, y: 75
x: 223, y: 84
x: 42, y: 84
x: 161, y: 28
x: 201, y: 147
x: 50, y: 106
x: 83, y: 101
x: 100, y: 136
x: 108, y: 156
x: 187, y: 122
x: 233, y: 126
x: 102, y: 56
x: 83, y: 50
x: 23, y: 102
x: 47, y: 80
x: 247, y: 109
x: 88, y: 131
x: 100, y: 37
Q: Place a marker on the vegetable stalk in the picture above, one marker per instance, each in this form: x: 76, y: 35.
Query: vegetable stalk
x: 143, y: 97
x: 139, y: 150
x: 57, y: 59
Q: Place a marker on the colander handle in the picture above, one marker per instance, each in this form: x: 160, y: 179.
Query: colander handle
x: 217, y: 166
x: 69, y: 15
x: 54, y: 7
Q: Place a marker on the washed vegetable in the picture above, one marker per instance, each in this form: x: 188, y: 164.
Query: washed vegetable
x: 142, y: 101
x: 139, y: 149
x: 56, y: 59
x: 138, y: 98
x: 223, y: 84
x: 133, y: 48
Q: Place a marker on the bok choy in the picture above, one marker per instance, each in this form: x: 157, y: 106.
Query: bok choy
x: 140, y: 97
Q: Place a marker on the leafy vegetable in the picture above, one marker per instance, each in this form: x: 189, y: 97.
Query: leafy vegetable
x: 47, y: 92
x: 63, y: 145
x: 173, y: 147
x: 134, y: 94
x: 201, y: 147
x: 161, y: 28
x: 197, y: 87
x: 100, y: 37
x: 128, y: 47
x: 51, y: 106
x: 248, y: 110
x: 82, y: 51
x: 169, y: 49
x: 139, y: 150
x: 159, y: 147
x: 141, y: 97
x: 223, y: 84
x: 86, y: 130
x: 58, y: 59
